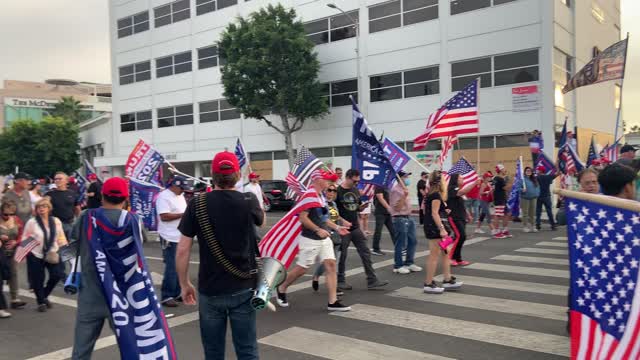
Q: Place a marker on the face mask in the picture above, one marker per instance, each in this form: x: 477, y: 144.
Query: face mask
x: 407, y: 181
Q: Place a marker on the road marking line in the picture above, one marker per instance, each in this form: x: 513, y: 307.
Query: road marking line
x: 54, y: 299
x: 561, y: 238
x: 331, y: 346
x: 531, y: 259
x: 110, y: 340
x: 524, y: 286
x: 467, y: 330
x: 543, y: 251
x: 506, y: 306
x: 553, y: 244
x: 157, y: 278
x: 519, y: 270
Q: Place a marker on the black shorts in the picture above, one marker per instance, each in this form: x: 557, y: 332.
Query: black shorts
x: 432, y: 232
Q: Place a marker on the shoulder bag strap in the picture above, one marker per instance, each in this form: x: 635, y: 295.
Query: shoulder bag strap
x: 214, y: 246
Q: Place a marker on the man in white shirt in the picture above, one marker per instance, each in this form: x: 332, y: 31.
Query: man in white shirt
x: 254, y: 187
x: 170, y: 206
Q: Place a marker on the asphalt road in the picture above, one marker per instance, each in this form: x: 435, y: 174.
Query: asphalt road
x: 512, y: 306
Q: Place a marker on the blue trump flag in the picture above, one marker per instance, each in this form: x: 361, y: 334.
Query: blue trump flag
x: 81, y: 181
x: 547, y: 163
x: 513, y: 204
x: 143, y: 202
x: 367, y: 154
x: 396, y: 155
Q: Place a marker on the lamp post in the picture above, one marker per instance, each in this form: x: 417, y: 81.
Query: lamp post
x: 356, y: 26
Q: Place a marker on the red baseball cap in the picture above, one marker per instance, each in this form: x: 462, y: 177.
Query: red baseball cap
x: 541, y: 168
x: 72, y: 180
x: 488, y: 174
x: 324, y: 174
x: 225, y: 163
x: 92, y: 176
x: 115, y: 186
x: 253, y: 175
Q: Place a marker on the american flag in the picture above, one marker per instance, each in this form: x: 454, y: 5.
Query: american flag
x: 547, y: 163
x: 281, y: 242
x: 447, y: 145
x: 458, y: 116
x: 241, y: 154
x: 468, y: 174
x: 24, y: 248
x: 593, y: 154
x: 604, y: 242
x: 294, y: 184
x: 304, y: 165
x: 610, y: 152
x: 366, y: 191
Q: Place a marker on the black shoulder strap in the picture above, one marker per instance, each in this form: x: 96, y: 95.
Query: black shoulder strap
x: 208, y: 233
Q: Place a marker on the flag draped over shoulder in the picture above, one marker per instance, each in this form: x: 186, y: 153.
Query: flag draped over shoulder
x: 468, y: 174
x: 281, y: 242
x: 140, y: 325
x: 367, y: 154
x: 608, y: 65
x: 143, y: 202
x: 604, y: 258
x: 457, y: 116
x: 513, y: 203
x: 300, y: 176
x: 143, y: 162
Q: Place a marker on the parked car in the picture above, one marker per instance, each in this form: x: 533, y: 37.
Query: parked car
x: 275, y: 193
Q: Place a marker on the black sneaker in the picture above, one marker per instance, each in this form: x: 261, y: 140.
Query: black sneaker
x: 48, y: 303
x: 42, y: 308
x: 377, y: 284
x: 344, y: 286
x: 314, y: 285
x: 377, y: 253
x: 337, y: 306
x: 433, y: 288
x: 451, y: 284
x: 18, y: 304
x: 282, y: 299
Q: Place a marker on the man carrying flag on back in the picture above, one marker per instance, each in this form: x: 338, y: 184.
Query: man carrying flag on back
x: 115, y: 282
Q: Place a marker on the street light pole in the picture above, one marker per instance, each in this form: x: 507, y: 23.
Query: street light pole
x: 356, y: 25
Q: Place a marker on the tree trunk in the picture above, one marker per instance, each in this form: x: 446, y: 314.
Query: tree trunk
x: 288, y: 140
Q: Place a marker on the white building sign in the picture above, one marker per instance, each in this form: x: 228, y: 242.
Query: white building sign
x: 525, y: 98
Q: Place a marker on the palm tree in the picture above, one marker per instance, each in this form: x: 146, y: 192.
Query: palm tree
x: 68, y: 108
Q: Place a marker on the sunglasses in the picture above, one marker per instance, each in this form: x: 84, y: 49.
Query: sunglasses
x: 7, y: 215
x: 332, y: 190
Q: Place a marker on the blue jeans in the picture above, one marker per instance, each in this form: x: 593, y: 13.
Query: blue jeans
x: 214, y: 312
x: 405, y: 234
x: 170, y: 283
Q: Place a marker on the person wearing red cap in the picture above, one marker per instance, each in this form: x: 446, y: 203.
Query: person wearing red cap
x: 544, y: 199
x: 225, y: 227
x: 486, y: 198
x: 315, y: 244
x: 94, y: 195
x: 254, y: 187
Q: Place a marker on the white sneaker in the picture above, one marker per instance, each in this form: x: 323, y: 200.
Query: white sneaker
x: 526, y: 229
x: 4, y: 314
x: 535, y: 229
x: 479, y: 231
x: 432, y: 288
x: 403, y: 270
x: 414, y: 268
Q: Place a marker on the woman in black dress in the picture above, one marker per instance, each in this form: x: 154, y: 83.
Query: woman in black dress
x: 436, y: 232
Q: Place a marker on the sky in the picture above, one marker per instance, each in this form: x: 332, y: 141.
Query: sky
x: 74, y: 44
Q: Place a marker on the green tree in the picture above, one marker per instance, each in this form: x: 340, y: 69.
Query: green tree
x: 40, y: 148
x: 271, y: 69
x: 67, y: 108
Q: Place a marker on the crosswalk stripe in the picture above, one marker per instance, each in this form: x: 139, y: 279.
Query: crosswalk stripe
x: 542, y: 251
x: 331, y: 346
x: 543, y: 311
x: 531, y: 259
x: 467, y: 330
x: 554, y: 244
x: 560, y: 238
x: 520, y: 270
x: 531, y: 287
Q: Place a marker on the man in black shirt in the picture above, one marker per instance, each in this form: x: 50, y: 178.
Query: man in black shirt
x: 64, y: 201
x: 544, y: 198
x: 94, y: 197
x: 349, y: 205
x: 223, y: 295
x: 422, y: 193
x: 383, y: 218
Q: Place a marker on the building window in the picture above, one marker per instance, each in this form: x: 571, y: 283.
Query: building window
x: 172, y: 13
x: 140, y: 120
x: 332, y: 29
x: 566, y: 2
x: 496, y: 70
x: 207, y: 6
x: 462, y: 6
x: 399, y: 13
x: 338, y: 92
x: 405, y: 84
x: 217, y: 110
x: 259, y: 156
x: 562, y: 67
x: 135, y: 72
x: 173, y: 64
x: 133, y: 24
x: 208, y: 57
x: 175, y: 115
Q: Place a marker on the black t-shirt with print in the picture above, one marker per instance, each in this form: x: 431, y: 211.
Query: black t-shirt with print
x: 233, y: 218
x: 348, y: 201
